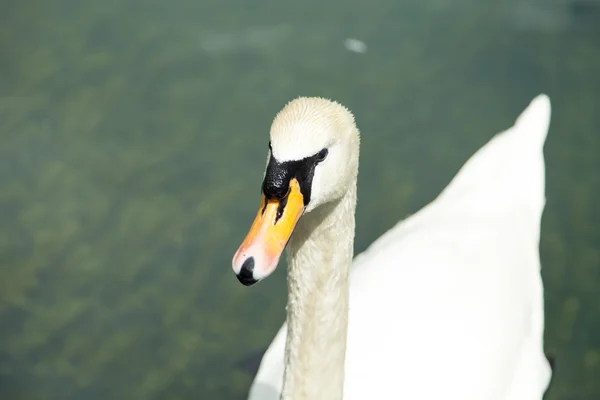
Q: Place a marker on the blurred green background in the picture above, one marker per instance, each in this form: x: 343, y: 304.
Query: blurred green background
x: 133, y: 138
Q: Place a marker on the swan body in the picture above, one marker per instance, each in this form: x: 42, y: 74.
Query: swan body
x: 448, y: 304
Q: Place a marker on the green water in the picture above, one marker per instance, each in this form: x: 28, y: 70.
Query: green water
x: 133, y: 137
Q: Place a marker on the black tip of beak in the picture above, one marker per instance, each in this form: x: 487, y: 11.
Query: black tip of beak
x: 246, y: 274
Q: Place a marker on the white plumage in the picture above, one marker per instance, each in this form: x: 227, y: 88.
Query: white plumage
x: 448, y: 304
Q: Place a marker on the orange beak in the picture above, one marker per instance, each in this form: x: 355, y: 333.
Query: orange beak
x: 273, y: 226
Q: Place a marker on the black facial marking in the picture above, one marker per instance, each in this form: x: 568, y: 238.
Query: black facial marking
x: 264, y: 208
x: 280, y: 208
x: 322, y: 155
x: 277, y: 178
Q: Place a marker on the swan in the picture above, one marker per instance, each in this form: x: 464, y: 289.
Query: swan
x: 448, y: 304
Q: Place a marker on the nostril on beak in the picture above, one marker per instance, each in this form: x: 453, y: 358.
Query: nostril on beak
x: 246, y: 274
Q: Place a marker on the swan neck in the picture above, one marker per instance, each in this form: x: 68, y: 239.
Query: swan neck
x: 319, y: 259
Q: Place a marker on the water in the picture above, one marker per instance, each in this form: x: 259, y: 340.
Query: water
x: 133, y: 141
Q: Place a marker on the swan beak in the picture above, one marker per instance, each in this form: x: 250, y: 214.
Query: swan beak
x: 273, y: 226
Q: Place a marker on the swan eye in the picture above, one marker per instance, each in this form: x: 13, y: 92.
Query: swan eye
x: 322, y: 155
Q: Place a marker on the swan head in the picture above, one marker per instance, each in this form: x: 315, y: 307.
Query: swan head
x: 312, y: 160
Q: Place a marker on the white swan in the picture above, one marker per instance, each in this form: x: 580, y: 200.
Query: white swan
x: 448, y: 304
